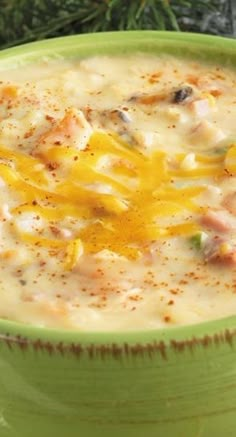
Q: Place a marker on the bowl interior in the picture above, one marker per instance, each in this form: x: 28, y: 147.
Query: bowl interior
x: 193, y: 46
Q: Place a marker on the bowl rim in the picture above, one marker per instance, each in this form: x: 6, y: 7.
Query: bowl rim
x: 217, y: 330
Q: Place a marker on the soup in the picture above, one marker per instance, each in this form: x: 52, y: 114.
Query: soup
x: 118, y: 193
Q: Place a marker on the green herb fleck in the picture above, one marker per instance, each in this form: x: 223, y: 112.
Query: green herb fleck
x: 197, y: 241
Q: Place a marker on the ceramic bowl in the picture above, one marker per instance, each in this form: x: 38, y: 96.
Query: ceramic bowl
x: 176, y: 382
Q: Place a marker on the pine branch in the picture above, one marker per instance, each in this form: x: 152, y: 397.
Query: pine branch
x: 207, y: 16
x: 22, y: 21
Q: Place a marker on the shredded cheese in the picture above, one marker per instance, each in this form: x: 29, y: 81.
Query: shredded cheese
x: 73, y: 252
x: 121, y: 220
x: 230, y: 160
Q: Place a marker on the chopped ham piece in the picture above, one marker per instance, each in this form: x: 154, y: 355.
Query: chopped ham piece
x: 229, y: 259
x: 206, y: 133
x: 229, y: 203
x: 217, y: 221
x: 218, y: 250
x: 200, y: 107
x: 72, y: 130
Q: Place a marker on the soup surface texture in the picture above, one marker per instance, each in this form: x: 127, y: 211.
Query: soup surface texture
x: 118, y: 193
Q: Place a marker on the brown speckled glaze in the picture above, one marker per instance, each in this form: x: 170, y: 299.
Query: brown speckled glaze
x: 119, y: 350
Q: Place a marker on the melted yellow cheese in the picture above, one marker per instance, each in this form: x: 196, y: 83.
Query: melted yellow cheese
x: 127, y: 215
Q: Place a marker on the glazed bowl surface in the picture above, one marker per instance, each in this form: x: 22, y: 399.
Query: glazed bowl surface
x: 175, y: 382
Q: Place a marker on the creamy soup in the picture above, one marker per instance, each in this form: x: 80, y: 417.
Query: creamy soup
x: 118, y: 193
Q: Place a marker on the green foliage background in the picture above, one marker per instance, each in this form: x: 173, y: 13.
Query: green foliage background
x: 28, y: 20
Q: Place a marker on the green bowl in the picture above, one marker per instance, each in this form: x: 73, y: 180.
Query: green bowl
x: 176, y: 382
